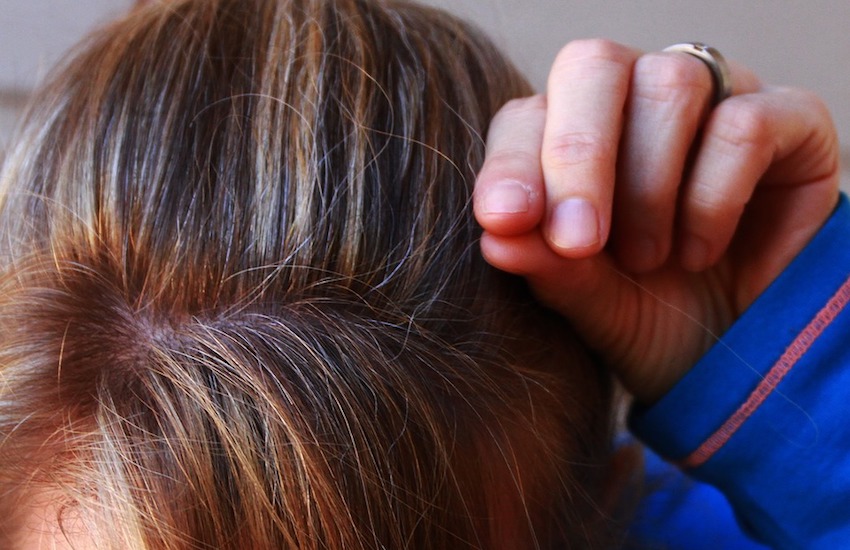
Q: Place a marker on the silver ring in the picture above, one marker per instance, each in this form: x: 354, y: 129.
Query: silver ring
x: 715, y: 62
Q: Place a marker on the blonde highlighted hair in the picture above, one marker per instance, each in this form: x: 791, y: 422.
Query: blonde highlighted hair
x: 242, y: 304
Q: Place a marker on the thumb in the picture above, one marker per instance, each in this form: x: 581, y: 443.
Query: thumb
x: 632, y: 329
x: 588, y: 292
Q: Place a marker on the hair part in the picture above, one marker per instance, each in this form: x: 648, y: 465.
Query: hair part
x: 244, y: 307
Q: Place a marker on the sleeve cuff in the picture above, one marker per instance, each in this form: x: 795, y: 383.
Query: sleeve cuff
x: 687, y: 425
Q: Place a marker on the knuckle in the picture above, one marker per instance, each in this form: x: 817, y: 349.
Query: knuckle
x: 511, y: 163
x: 671, y: 78
x: 594, y: 51
x: 744, y: 125
x: 518, y: 111
x: 521, y: 106
x: 813, y: 102
x: 821, y: 144
x: 594, y: 47
x: 708, y: 205
x: 576, y: 148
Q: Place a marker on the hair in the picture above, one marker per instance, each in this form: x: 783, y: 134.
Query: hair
x: 242, y: 305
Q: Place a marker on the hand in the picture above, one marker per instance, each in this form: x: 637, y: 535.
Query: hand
x: 644, y: 216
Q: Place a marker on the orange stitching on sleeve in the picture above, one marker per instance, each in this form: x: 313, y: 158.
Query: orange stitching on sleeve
x: 777, y: 372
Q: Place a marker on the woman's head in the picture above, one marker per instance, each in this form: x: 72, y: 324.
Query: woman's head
x: 243, y: 306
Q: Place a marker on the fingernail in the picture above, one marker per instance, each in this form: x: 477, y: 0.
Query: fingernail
x: 575, y: 225
x: 694, y: 253
x: 506, y: 197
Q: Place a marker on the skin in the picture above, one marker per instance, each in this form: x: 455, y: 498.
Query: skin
x: 42, y: 530
x: 645, y: 216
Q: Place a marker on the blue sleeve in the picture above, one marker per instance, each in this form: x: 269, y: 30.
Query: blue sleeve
x: 765, y: 415
x: 677, y: 512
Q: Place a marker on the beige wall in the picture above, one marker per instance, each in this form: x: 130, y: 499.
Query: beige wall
x: 788, y: 42
x: 33, y: 35
x: 10, y: 106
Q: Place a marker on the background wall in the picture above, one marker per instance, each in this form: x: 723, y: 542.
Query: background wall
x: 788, y: 42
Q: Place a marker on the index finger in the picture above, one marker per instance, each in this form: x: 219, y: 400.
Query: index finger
x: 586, y: 94
x: 509, y: 197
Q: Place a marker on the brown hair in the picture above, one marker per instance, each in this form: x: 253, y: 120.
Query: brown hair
x: 243, y: 306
